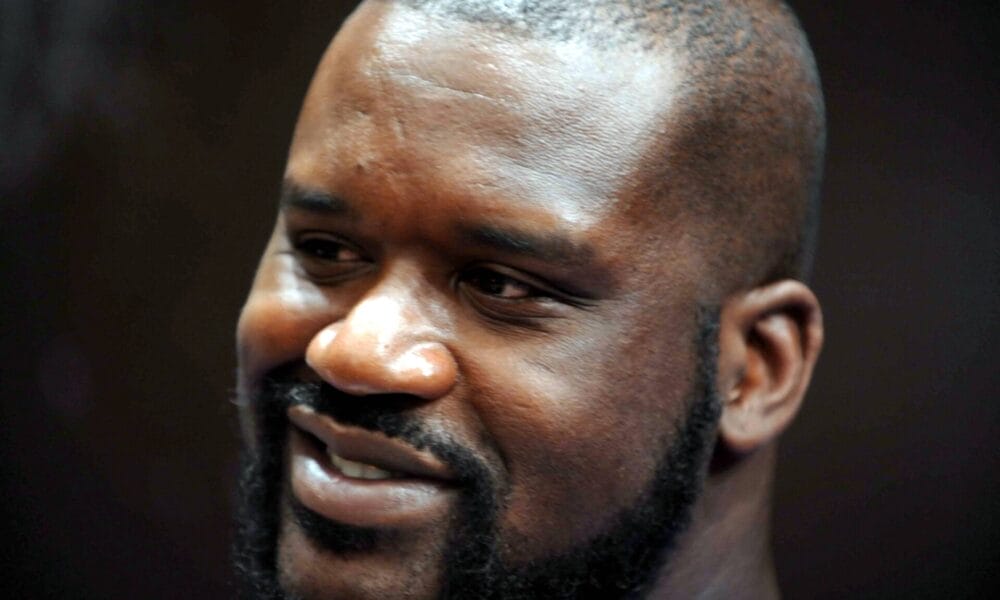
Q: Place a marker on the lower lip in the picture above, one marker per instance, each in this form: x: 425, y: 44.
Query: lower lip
x: 383, y: 503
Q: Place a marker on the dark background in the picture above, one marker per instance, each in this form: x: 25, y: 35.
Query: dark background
x: 142, y: 145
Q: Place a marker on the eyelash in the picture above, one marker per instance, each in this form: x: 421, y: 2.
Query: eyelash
x: 531, y: 311
x: 315, y: 247
x: 480, y: 277
x: 321, y: 258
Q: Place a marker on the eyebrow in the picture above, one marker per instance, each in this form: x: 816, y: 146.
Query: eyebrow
x: 549, y: 247
x: 301, y: 198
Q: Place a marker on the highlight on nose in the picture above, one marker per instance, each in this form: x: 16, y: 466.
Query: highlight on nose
x: 377, y: 350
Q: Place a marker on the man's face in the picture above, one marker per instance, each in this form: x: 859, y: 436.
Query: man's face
x: 470, y: 304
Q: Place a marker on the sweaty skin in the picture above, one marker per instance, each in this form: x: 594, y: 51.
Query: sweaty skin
x: 465, y: 224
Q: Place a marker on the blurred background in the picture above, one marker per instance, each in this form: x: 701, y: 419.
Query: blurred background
x: 141, y: 147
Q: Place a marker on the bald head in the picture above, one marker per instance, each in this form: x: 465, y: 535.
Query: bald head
x: 742, y: 148
x: 517, y: 297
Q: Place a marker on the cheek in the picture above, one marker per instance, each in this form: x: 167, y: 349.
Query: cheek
x: 282, y: 314
x: 582, y: 427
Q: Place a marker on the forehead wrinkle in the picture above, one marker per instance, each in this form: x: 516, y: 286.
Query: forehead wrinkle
x: 571, y: 105
x: 553, y: 78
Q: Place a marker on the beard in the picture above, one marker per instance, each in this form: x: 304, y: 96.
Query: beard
x: 622, y: 562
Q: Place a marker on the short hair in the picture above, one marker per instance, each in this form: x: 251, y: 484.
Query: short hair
x: 746, y: 155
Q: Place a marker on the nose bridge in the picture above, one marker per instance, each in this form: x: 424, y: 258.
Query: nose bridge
x: 389, y: 342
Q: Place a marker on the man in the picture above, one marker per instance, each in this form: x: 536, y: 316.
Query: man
x: 532, y: 316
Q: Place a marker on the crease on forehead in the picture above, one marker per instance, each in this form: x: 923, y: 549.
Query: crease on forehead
x: 557, y: 93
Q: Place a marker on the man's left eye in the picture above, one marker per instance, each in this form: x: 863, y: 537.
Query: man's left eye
x: 492, y: 283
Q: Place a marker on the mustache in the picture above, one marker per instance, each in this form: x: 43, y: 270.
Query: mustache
x: 389, y: 414
x: 383, y: 413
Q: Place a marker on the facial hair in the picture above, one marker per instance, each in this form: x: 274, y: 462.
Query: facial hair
x: 620, y: 563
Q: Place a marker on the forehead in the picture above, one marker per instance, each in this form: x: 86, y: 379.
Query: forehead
x: 443, y: 104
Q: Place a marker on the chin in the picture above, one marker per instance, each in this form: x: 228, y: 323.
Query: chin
x: 307, y: 571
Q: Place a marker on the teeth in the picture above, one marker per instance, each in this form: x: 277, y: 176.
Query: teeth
x: 358, y: 470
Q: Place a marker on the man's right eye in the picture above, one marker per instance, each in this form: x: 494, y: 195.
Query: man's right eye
x: 327, y: 259
x: 326, y: 248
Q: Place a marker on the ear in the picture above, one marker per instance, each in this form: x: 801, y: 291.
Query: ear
x: 769, y: 340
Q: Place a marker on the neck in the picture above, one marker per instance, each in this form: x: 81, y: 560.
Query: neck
x: 726, y: 551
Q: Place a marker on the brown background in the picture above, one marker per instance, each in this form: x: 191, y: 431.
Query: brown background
x: 142, y: 147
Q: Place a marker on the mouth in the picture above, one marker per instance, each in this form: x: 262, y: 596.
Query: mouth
x: 363, y: 478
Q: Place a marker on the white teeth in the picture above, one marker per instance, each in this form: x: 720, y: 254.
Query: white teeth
x: 357, y: 470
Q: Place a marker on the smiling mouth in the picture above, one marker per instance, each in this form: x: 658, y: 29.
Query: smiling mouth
x: 358, y: 477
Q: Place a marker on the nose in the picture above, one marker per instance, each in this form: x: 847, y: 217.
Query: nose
x: 383, y: 346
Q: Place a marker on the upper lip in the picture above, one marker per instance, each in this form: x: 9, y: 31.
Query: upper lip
x: 368, y: 447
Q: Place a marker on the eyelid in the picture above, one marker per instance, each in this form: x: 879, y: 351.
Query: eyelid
x: 546, y: 287
x: 549, y: 300
x: 298, y: 239
x: 529, y: 312
x: 539, y: 288
x: 324, y: 265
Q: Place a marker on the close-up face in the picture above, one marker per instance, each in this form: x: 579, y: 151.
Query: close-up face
x: 470, y: 334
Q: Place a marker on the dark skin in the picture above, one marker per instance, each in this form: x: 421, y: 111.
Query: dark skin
x: 465, y: 224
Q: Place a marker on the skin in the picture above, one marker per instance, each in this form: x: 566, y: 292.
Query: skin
x: 565, y: 372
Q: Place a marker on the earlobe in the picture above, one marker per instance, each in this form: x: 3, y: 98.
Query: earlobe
x: 770, y: 338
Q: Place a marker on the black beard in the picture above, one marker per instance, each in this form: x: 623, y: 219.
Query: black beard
x: 620, y: 563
